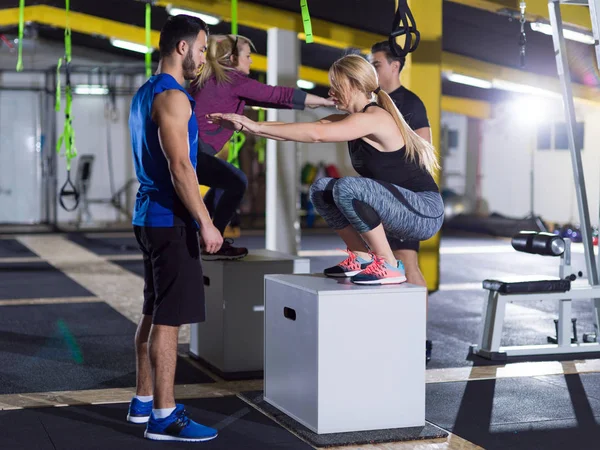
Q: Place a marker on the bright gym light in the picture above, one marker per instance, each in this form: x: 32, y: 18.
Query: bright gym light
x: 90, y: 89
x: 523, y: 88
x: 469, y: 81
x: 572, y: 35
x: 530, y: 110
x: 303, y: 84
x: 500, y: 84
x: 131, y: 46
x: 209, y: 19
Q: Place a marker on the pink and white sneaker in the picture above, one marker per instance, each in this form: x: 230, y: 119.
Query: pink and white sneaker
x: 349, y: 267
x: 380, y: 272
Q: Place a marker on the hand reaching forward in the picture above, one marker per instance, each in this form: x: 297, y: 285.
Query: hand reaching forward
x: 327, y: 102
x: 233, y: 122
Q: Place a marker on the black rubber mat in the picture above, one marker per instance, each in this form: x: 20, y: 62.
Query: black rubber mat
x: 102, y: 427
x: 37, y: 280
x: 520, y: 413
x: 71, y: 347
x: 106, y: 245
x: 338, y: 439
x: 11, y: 248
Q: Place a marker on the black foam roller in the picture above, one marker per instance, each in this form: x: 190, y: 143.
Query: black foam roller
x: 547, y: 244
x: 522, y: 242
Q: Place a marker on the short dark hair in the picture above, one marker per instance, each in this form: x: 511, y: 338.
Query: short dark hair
x: 384, y: 46
x: 179, y: 28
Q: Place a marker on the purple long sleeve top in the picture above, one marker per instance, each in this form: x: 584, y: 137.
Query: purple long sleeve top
x: 231, y: 98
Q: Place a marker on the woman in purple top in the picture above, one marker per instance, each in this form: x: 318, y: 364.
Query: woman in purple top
x: 225, y: 87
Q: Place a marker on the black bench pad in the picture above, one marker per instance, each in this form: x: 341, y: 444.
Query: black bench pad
x: 527, y: 287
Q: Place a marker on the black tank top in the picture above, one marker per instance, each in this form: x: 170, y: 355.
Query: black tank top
x: 392, y: 167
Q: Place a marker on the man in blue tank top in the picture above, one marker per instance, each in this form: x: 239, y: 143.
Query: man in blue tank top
x: 168, y: 215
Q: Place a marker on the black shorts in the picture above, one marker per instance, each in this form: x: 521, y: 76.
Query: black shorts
x: 174, y: 284
x: 401, y: 244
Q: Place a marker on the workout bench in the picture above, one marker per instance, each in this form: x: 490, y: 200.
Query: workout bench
x: 501, y: 292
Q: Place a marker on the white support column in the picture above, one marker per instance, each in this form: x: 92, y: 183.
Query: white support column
x: 282, y: 221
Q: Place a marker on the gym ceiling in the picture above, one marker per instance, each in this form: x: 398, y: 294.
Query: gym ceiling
x: 480, y: 38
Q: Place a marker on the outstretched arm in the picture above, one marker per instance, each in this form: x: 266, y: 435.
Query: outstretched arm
x: 353, y: 126
x: 259, y: 94
x: 314, y: 101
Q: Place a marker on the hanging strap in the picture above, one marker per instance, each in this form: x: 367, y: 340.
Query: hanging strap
x: 234, y: 17
x: 235, y: 145
x: 68, y: 136
x: 306, y: 21
x: 148, y: 40
x: 21, y: 32
x: 58, y: 85
x: 404, y: 25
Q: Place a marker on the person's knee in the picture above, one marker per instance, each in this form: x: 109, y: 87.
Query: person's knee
x: 237, y: 183
x: 347, y: 197
x: 321, y: 190
x: 241, y: 181
x: 343, y: 192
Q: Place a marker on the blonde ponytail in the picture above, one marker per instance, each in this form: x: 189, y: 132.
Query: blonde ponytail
x: 219, y: 62
x: 417, y: 148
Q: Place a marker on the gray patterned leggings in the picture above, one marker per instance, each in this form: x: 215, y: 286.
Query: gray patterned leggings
x: 365, y: 203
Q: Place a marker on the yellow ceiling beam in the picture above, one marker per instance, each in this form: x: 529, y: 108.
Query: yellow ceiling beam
x: 489, y: 72
x: 263, y: 17
x: 477, y: 109
x: 575, y: 15
x: 87, y: 24
x: 80, y: 23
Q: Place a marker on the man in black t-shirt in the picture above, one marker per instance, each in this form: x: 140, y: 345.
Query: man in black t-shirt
x: 388, y: 67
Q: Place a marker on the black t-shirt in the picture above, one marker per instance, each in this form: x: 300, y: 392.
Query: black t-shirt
x: 411, y: 107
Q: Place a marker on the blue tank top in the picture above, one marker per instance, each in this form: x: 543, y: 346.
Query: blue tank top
x: 157, y: 203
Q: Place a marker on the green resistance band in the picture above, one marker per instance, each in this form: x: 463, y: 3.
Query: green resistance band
x: 235, y: 145
x: 58, y: 85
x: 234, y: 17
x: 148, y: 40
x: 68, y: 136
x: 21, y: 29
x: 261, y: 143
x: 306, y: 20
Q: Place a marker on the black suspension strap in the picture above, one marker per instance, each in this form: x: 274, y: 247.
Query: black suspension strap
x: 68, y: 136
x: 404, y: 25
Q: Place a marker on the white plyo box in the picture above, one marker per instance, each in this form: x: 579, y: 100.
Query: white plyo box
x: 341, y: 357
x: 231, y: 339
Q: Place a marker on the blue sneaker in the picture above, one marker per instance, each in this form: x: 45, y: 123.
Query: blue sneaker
x: 139, y: 412
x: 380, y: 272
x: 178, y: 427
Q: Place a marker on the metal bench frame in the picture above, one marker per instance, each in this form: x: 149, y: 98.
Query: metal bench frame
x: 494, y: 310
